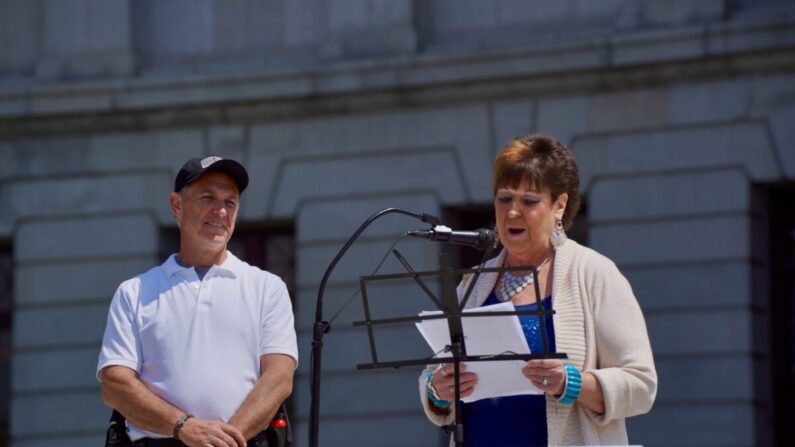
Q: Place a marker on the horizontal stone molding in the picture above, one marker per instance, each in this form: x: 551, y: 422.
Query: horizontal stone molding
x: 558, y: 67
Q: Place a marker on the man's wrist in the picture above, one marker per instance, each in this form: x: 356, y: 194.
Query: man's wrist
x: 181, y: 423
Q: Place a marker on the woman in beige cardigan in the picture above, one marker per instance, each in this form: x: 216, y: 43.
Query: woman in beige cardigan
x: 609, y: 374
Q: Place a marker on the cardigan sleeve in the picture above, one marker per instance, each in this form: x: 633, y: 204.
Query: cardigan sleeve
x: 625, y: 366
x: 436, y: 418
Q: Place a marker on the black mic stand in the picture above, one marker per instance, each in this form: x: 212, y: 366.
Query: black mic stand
x: 452, y: 311
x: 321, y: 327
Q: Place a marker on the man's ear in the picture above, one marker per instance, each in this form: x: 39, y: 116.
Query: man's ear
x: 175, y: 203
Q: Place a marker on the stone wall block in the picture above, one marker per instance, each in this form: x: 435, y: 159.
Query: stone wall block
x: 386, y: 131
x: 692, y: 286
x: 782, y: 126
x: 721, y: 40
x: 58, y: 413
x: 678, y: 12
x: 371, y: 27
x: 67, y: 326
x: 391, y: 391
x: 46, y: 155
x: 174, y: 28
x: 534, y: 11
x: 55, y: 370
x: 511, y: 119
x: 586, y: 9
x: 709, y: 102
x: 707, y: 423
x: 707, y: 332
x: 44, y: 102
x: 361, y: 137
x: 432, y: 169
x: 771, y: 93
x: 228, y: 142
x: 360, y: 260
x: 669, y: 195
x: 122, y: 150
x: 126, y: 235
x: 672, y: 241
x: 248, y: 26
x: 304, y: 22
x: 79, y: 25
x: 348, y: 347
x: 70, y: 276
x: 13, y: 105
x: 453, y: 15
x: 388, y: 299
x: 391, y: 430
x: 705, y: 379
x: 627, y: 110
x: 658, y: 46
x: 64, y: 441
x: 86, y: 38
x: 338, y: 219
x: 20, y: 36
x: 257, y: 201
x: 67, y: 197
x: 176, y: 146
x: 352, y: 14
x: 563, y: 117
x: 744, y: 144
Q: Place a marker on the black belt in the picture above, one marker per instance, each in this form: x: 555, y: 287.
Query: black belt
x: 261, y: 440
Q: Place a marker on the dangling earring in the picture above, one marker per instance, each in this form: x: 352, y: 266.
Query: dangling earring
x: 558, y: 237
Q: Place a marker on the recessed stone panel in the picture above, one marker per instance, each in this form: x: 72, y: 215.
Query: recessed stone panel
x: 123, y: 235
x: 67, y: 327
x: 669, y: 195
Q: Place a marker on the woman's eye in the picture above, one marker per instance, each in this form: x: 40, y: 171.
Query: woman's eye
x: 504, y: 199
x: 529, y: 202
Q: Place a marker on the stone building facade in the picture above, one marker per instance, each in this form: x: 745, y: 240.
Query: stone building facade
x: 681, y: 115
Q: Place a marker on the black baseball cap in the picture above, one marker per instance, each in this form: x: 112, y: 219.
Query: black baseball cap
x: 195, y: 167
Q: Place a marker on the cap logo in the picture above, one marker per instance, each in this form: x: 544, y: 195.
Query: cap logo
x: 209, y: 160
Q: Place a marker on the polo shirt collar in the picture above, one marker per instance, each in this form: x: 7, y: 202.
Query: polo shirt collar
x: 231, y: 265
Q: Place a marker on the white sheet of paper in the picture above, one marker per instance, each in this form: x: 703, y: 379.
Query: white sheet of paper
x: 486, y: 336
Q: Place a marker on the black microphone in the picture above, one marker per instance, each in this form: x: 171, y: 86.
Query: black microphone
x: 479, y: 239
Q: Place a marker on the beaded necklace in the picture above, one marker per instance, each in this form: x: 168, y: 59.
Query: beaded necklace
x: 510, y: 285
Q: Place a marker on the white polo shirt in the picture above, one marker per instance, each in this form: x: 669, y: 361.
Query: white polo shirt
x: 197, y: 343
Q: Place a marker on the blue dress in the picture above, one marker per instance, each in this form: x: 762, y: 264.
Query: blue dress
x: 512, y: 421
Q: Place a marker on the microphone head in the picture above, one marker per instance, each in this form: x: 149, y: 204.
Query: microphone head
x: 485, y: 240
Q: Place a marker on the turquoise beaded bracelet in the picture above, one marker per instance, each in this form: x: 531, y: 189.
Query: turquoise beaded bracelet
x: 573, y: 386
x: 432, y: 396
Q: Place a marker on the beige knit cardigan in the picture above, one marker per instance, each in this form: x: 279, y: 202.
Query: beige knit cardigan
x: 599, y: 324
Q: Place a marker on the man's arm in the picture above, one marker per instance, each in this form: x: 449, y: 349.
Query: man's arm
x: 123, y: 390
x: 273, y: 386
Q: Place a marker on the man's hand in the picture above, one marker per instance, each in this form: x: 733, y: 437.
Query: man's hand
x: 204, y: 433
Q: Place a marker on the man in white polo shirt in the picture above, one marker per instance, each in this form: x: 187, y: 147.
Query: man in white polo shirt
x: 200, y: 350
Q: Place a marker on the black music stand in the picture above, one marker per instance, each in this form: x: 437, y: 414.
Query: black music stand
x: 452, y: 310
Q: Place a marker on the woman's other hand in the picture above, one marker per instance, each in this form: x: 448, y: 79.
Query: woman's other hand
x: 444, y: 383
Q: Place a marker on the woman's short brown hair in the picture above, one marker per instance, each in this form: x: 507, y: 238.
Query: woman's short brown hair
x: 545, y: 164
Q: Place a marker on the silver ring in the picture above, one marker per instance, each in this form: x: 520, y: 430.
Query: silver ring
x: 545, y: 382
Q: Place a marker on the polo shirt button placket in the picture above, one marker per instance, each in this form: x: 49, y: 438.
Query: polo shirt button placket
x: 201, y: 298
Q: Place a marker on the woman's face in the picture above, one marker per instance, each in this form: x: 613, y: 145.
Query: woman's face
x: 525, y: 220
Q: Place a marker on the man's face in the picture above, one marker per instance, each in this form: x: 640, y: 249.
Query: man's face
x: 206, y: 211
